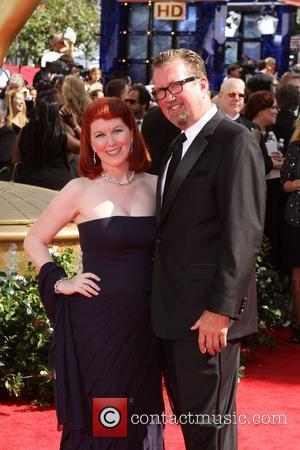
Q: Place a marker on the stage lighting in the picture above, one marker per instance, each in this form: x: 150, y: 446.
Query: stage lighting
x: 267, y: 24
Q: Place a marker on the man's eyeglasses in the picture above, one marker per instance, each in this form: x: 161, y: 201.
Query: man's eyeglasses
x: 174, y: 88
x: 235, y: 94
x: 131, y: 101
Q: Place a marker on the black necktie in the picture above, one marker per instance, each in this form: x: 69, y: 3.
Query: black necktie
x: 175, y: 160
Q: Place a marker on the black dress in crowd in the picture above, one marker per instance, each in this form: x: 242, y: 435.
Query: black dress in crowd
x: 7, y: 141
x: 104, y: 346
x: 275, y: 205
x: 54, y: 173
x: 291, y: 171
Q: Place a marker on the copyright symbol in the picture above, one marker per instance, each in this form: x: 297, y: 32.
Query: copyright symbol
x: 109, y: 417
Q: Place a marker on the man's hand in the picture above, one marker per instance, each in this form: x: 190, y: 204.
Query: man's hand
x: 213, y: 330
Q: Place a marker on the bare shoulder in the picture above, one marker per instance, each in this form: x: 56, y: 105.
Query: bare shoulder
x: 148, y: 178
x: 75, y: 186
x: 72, y: 194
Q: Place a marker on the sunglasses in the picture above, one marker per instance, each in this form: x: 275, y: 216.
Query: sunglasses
x: 234, y: 94
x: 131, y: 101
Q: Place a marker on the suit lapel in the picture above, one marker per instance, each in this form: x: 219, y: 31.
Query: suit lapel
x: 183, y: 169
x: 188, y: 161
x: 159, y: 182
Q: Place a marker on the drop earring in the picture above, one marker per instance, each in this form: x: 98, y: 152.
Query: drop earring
x: 94, y: 158
x: 131, y: 147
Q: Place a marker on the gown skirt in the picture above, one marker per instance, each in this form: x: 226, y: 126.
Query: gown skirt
x: 104, y: 346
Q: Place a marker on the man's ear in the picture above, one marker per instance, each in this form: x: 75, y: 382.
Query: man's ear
x: 203, y: 81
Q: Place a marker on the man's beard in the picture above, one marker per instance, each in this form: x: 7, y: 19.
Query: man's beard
x: 180, y: 119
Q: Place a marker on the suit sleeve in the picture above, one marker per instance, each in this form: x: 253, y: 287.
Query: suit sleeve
x: 241, y: 193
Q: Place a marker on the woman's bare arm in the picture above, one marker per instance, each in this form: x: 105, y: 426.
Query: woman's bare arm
x: 60, y: 211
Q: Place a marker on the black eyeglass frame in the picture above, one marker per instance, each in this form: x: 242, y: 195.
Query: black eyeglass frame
x: 179, y: 84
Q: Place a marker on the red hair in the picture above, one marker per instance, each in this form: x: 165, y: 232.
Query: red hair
x: 110, y: 108
x: 258, y: 101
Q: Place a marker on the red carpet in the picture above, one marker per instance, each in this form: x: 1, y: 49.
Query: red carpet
x: 271, y: 388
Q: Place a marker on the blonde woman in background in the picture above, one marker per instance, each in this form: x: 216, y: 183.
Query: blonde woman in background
x: 16, y: 111
x: 75, y: 95
x: 290, y: 179
x: 75, y: 99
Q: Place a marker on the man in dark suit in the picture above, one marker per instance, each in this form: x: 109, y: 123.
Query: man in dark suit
x: 210, y: 211
x: 158, y: 133
x: 138, y: 100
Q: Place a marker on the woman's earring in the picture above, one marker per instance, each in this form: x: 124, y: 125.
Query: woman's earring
x: 131, y: 147
x: 94, y: 158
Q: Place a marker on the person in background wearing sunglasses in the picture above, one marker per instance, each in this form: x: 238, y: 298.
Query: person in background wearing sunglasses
x: 231, y: 100
x: 231, y: 97
x: 210, y: 213
x: 138, y: 100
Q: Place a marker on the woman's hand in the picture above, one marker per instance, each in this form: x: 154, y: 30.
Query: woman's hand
x: 82, y: 283
x: 296, y: 184
x: 68, y: 116
x: 277, y: 159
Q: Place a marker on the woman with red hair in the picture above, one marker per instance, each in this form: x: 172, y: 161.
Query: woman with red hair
x: 104, y: 347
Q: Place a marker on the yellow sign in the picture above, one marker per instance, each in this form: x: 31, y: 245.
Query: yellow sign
x: 170, y: 10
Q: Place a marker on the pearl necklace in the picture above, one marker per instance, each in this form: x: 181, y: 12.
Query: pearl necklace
x: 119, y: 182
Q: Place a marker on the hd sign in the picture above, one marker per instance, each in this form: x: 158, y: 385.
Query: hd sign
x: 170, y: 10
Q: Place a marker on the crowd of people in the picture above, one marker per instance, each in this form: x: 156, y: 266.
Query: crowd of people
x: 217, y: 156
x: 269, y: 108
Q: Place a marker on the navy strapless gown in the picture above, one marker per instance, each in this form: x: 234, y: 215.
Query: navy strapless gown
x: 106, y: 347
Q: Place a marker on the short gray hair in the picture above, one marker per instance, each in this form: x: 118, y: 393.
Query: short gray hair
x: 192, y: 60
x: 16, y: 80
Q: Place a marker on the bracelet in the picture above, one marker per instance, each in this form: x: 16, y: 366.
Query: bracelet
x: 57, y: 283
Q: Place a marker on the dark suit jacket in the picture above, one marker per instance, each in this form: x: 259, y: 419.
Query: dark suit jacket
x: 209, y: 232
x: 158, y: 134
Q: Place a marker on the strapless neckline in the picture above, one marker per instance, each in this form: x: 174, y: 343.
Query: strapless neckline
x: 115, y: 217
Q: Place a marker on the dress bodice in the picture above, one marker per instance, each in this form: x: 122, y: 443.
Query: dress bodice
x: 119, y: 249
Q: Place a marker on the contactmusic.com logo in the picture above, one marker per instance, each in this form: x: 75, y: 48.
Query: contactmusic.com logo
x: 109, y: 417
